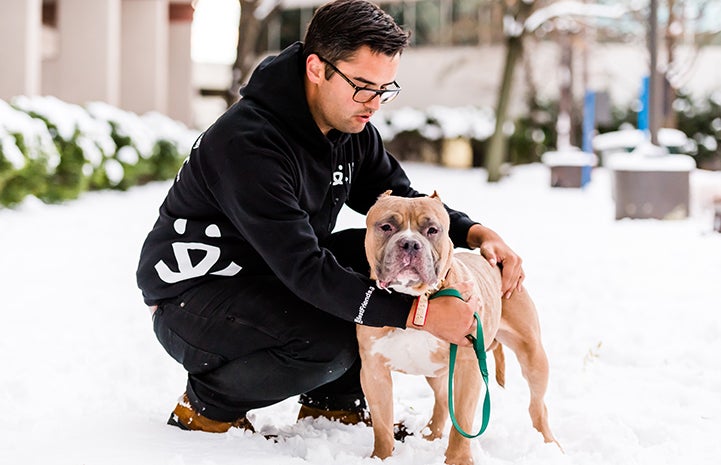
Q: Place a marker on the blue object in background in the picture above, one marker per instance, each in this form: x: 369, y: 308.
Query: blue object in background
x: 589, y: 125
x: 643, y: 113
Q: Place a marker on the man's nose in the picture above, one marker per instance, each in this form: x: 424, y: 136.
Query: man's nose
x: 374, y: 103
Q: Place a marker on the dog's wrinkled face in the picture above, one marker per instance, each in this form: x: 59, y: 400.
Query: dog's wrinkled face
x: 407, y: 243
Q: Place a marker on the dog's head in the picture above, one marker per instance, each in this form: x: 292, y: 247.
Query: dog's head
x: 407, y: 243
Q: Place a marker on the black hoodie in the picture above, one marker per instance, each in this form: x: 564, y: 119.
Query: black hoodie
x: 262, y: 188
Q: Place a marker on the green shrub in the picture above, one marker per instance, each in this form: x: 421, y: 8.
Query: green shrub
x: 534, y: 133
x: 83, y: 143
x: 173, y: 143
x: 28, y: 156
x: 56, y: 150
x: 701, y: 120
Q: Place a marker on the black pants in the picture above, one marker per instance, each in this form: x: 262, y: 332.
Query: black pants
x: 249, y: 342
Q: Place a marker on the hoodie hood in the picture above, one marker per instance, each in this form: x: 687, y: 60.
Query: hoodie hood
x: 277, y: 86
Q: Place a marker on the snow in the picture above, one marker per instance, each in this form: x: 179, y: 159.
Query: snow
x: 35, y: 136
x: 630, y: 138
x: 632, y: 162
x: 572, y: 9
x: 437, y: 122
x: 629, y: 312
x: 127, y: 124
x: 468, y: 121
x: 69, y: 119
x: 571, y: 157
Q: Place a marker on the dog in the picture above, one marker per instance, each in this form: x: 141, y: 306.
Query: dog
x: 409, y: 251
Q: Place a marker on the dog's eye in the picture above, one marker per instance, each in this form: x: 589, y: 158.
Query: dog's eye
x: 432, y: 231
x: 386, y: 227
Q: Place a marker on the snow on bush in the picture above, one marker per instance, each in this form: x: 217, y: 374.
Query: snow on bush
x: 55, y: 150
x: 27, y: 155
x: 437, y: 122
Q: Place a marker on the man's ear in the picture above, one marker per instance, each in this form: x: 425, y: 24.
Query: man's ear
x: 314, y: 68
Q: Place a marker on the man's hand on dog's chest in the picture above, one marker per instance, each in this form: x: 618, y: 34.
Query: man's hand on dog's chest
x: 450, y: 318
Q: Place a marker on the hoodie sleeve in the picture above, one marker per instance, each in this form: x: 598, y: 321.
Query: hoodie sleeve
x: 259, y: 193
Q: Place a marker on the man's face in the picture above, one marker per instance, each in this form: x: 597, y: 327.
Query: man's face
x: 331, y: 100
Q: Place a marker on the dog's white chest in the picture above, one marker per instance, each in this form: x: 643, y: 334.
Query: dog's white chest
x: 412, y: 352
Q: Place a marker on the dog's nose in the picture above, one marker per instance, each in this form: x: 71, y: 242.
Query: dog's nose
x: 409, y: 245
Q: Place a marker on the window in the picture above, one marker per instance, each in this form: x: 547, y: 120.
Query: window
x: 431, y: 22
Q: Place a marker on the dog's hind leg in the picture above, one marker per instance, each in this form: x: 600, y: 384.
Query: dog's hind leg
x: 521, y: 332
x: 500, y: 361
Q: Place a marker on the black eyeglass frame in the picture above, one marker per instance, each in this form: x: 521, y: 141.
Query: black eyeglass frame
x: 392, y: 93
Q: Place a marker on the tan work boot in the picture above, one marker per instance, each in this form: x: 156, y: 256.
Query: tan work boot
x: 351, y: 417
x: 347, y: 417
x: 184, y: 417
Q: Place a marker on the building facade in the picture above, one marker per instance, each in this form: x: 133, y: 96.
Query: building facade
x: 134, y: 54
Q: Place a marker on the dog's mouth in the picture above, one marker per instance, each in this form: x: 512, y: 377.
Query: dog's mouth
x: 408, y: 280
x: 408, y: 276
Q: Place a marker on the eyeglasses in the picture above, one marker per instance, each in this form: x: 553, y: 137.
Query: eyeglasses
x: 366, y: 94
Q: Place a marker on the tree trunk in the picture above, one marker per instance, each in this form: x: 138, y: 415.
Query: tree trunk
x: 564, y: 124
x: 518, y: 11
x: 497, y: 149
x: 668, y: 92
x: 250, y: 30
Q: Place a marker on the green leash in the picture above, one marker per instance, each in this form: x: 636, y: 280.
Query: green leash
x: 479, y: 348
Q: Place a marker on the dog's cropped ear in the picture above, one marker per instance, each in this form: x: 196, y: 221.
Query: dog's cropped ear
x: 436, y: 196
x: 385, y: 194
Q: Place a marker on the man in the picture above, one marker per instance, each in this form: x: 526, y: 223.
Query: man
x: 251, y: 290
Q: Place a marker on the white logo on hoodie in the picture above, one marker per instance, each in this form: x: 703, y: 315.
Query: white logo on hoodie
x: 186, y: 269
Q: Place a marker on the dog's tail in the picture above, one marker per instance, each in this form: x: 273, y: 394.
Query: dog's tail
x: 500, y: 359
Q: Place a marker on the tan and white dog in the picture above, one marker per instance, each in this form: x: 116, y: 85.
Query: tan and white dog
x: 409, y: 251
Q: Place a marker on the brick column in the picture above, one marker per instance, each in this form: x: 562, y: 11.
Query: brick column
x: 180, y: 68
x: 20, y: 53
x: 144, y: 56
x: 87, y: 66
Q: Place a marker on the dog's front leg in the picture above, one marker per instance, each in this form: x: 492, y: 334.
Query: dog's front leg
x: 438, y: 420
x: 377, y: 386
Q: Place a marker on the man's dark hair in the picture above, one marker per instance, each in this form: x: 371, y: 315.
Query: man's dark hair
x: 339, y: 28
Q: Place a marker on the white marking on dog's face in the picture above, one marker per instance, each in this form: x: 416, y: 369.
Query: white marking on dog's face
x: 408, y: 262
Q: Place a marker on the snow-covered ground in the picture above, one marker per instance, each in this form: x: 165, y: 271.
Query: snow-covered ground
x: 630, y: 312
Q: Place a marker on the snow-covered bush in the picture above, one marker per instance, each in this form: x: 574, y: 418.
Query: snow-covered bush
x: 55, y: 150
x: 468, y: 122
x: 130, y: 163
x: 84, y: 144
x: 28, y: 155
x: 412, y: 134
x: 409, y: 134
x: 700, y: 120
x: 437, y: 122
x: 173, y: 142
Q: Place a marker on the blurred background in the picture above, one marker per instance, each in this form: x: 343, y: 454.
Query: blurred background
x: 488, y: 83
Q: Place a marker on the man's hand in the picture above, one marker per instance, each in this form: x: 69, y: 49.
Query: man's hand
x: 497, y: 252
x: 450, y: 318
